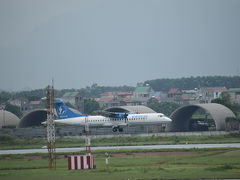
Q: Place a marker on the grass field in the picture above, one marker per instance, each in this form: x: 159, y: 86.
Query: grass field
x: 138, y: 165
x: 8, y: 142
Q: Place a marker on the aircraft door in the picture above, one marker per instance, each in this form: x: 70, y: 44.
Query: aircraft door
x: 126, y: 118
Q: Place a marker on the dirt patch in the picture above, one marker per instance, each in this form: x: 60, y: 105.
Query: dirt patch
x: 7, y: 158
x: 232, y: 153
x: 152, y: 154
x: 61, y: 157
x: 33, y: 157
x: 40, y: 157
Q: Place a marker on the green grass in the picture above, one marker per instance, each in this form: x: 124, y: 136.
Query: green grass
x: 8, y: 142
x: 212, y: 163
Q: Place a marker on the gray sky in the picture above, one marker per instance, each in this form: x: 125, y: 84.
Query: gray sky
x: 115, y: 42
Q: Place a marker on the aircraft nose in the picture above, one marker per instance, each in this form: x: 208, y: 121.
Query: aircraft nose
x: 168, y: 119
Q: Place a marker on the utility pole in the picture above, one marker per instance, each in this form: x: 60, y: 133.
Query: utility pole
x: 51, y: 129
x: 2, y: 107
x: 87, y: 137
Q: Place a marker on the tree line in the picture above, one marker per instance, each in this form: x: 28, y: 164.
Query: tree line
x: 95, y: 90
x: 163, y: 84
x: 194, y: 82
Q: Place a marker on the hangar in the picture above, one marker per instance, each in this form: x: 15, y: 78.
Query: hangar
x: 8, y: 119
x: 33, y: 118
x: 181, y: 117
x: 36, y: 117
x: 133, y: 109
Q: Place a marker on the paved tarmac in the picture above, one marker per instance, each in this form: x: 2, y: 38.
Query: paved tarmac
x: 178, y: 146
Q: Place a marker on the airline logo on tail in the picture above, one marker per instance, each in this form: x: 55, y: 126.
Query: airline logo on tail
x: 63, y: 112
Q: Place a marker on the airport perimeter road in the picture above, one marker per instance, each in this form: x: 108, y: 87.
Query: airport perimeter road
x: 178, y: 146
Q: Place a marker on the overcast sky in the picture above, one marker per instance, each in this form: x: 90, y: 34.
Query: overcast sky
x: 115, y: 42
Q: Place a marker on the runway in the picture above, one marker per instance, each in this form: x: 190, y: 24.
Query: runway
x: 147, y: 147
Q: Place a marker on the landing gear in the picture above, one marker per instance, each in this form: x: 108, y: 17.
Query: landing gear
x: 115, y: 129
x: 84, y: 131
x: 120, y: 129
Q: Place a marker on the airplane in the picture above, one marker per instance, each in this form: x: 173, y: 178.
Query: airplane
x: 115, y: 120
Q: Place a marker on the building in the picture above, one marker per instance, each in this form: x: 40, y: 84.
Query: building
x: 174, y: 95
x: 207, y: 94
x: 139, y: 96
x: 23, y: 103
x: 234, y: 95
x: 26, y: 105
x: 35, y: 105
x: 111, y: 99
x: 190, y: 97
x: 156, y: 95
x: 124, y: 96
x: 108, y: 102
x: 142, y: 94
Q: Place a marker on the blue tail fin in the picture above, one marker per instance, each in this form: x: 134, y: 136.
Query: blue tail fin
x: 63, y: 112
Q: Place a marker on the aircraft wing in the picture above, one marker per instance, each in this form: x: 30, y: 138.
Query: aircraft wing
x: 122, y: 124
x: 113, y: 114
x: 111, y: 125
x: 107, y: 124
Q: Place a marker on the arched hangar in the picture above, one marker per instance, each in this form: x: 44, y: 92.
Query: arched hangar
x: 35, y: 118
x: 132, y: 109
x: 8, y: 119
x: 181, y: 117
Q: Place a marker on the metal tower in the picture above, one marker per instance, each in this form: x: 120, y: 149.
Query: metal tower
x: 51, y: 129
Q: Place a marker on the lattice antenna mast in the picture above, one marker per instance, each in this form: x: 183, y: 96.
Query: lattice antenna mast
x: 51, y: 129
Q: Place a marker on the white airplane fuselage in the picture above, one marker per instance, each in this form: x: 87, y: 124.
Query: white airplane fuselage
x: 132, y: 119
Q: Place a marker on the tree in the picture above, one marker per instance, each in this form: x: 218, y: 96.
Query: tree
x: 163, y: 107
x: 225, y: 100
x: 4, y: 96
x: 91, y: 105
x: 13, y: 109
x: 194, y: 82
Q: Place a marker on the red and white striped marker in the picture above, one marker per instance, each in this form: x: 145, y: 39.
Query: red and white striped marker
x: 80, y: 162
